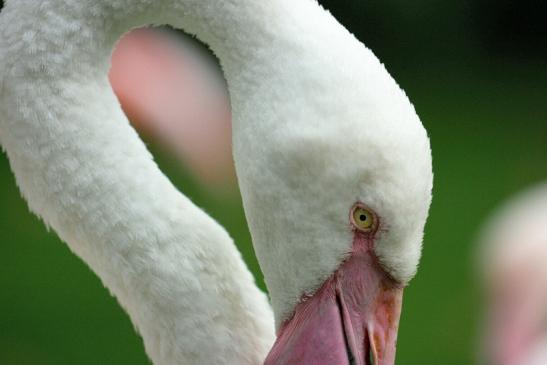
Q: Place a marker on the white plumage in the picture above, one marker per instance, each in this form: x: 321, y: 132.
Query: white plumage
x: 318, y: 125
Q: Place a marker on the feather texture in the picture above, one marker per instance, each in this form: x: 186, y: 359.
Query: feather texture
x: 318, y: 124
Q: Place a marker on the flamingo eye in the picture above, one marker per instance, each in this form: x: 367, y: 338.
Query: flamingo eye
x: 363, y: 219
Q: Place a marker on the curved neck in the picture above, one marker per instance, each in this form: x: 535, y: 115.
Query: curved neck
x: 85, y: 171
x: 270, y: 52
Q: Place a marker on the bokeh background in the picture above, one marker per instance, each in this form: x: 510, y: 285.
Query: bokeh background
x: 476, y: 71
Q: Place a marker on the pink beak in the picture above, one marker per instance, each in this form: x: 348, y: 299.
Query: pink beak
x: 351, y: 320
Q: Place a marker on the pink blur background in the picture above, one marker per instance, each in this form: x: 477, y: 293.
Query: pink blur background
x: 173, y: 92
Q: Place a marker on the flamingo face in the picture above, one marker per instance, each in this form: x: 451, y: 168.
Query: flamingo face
x: 353, y: 318
x: 335, y: 282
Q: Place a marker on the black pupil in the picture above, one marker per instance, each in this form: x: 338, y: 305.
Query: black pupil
x: 363, y: 217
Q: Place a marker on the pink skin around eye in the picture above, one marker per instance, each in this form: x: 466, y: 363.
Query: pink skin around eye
x: 351, y: 320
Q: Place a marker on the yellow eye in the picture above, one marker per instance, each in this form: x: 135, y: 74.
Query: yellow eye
x: 363, y: 219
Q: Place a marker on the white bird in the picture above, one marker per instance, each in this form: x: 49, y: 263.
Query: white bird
x: 513, y: 264
x: 333, y: 164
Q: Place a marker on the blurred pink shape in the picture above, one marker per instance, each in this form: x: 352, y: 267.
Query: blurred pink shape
x: 513, y: 263
x: 175, y: 93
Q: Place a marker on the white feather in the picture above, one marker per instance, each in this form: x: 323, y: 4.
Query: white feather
x: 318, y: 125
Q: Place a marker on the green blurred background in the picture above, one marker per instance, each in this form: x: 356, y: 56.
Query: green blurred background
x: 476, y: 72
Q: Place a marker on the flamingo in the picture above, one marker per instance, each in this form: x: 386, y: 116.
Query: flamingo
x: 333, y: 164
x: 512, y: 261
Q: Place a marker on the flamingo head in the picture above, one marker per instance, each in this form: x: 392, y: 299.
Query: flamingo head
x: 335, y: 173
x: 336, y: 199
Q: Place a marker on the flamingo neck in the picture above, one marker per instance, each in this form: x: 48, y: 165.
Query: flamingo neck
x: 84, y: 170
x: 86, y: 173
